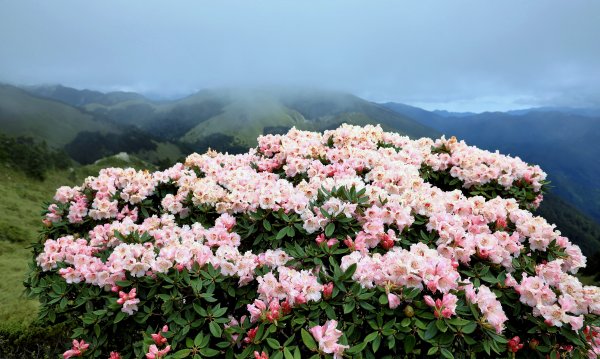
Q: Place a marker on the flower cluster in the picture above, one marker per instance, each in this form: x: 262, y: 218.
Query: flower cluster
x: 558, y: 297
x: 420, y: 267
x: 292, y: 286
x: 417, y: 242
x: 474, y: 166
x: 173, y: 247
x: 159, y: 340
x: 128, y: 301
x: 488, y: 304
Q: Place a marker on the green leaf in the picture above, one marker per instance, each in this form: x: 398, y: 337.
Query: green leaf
x: 432, y: 350
x: 441, y: 325
x: 329, y: 229
x: 572, y: 337
x: 308, y: 340
x: 182, y: 353
x: 215, y: 329
x: 120, y: 316
x: 273, y: 343
x: 469, y: 328
x: 375, y: 344
x: 383, y: 300
x: 367, y: 306
x: 409, y: 344
x: 266, y: 225
x: 198, y: 339
x: 349, y: 272
x: 371, y: 336
x: 219, y: 312
x: 291, y: 232
x: 282, y: 233
x: 486, y: 346
x: 287, y: 354
x: 430, y: 332
x: 208, y: 352
x: 123, y: 283
x: 357, y: 348
x: 447, y: 354
x: 348, y: 307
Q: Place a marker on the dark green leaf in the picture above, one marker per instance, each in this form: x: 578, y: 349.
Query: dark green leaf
x: 409, y: 343
x: 208, y: 352
x: 215, y: 329
x: 329, y: 229
x: 308, y: 340
x: 182, y: 353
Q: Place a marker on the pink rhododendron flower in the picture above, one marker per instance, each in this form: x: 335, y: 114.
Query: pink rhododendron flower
x: 393, y: 300
x: 327, y: 337
x: 250, y: 335
x: 79, y: 347
x: 444, y: 307
x: 155, y: 353
x: 128, y: 301
x: 158, y: 338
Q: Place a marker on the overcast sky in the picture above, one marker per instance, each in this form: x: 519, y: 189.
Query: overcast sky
x: 456, y: 55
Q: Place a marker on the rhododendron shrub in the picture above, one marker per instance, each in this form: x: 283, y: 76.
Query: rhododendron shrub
x: 350, y: 243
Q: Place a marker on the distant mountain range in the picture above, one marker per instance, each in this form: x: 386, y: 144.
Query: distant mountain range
x: 232, y: 119
x: 85, y: 136
x: 90, y: 125
x: 563, y: 141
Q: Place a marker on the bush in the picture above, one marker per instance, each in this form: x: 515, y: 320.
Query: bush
x: 31, y: 157
x: 33, y: 341
x: 88, y: 147
x: 352, y: 243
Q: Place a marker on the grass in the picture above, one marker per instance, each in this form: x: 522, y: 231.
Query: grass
x: 20, y: 205
x: 15, y: 310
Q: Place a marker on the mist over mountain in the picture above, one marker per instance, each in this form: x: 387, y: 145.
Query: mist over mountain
x: 231, y: 119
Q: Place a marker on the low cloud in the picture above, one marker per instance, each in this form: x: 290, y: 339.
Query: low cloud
x: 466, y: 54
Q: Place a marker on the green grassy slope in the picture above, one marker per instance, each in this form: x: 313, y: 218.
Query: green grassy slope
x: 246, y: 117
x: 22, y: 114
x: 21, y: 204
x: 230, y: 119
x: 242, y: 114
x: 250, y: 113
x: 85, y: 136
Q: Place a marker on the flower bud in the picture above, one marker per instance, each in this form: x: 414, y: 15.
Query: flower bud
x: 327, y: 290
x: 533, y: 343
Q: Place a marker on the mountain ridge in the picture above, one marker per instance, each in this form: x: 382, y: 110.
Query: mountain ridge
x: 239, y: 114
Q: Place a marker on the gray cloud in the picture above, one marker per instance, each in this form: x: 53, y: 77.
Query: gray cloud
x: 469, y: 55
